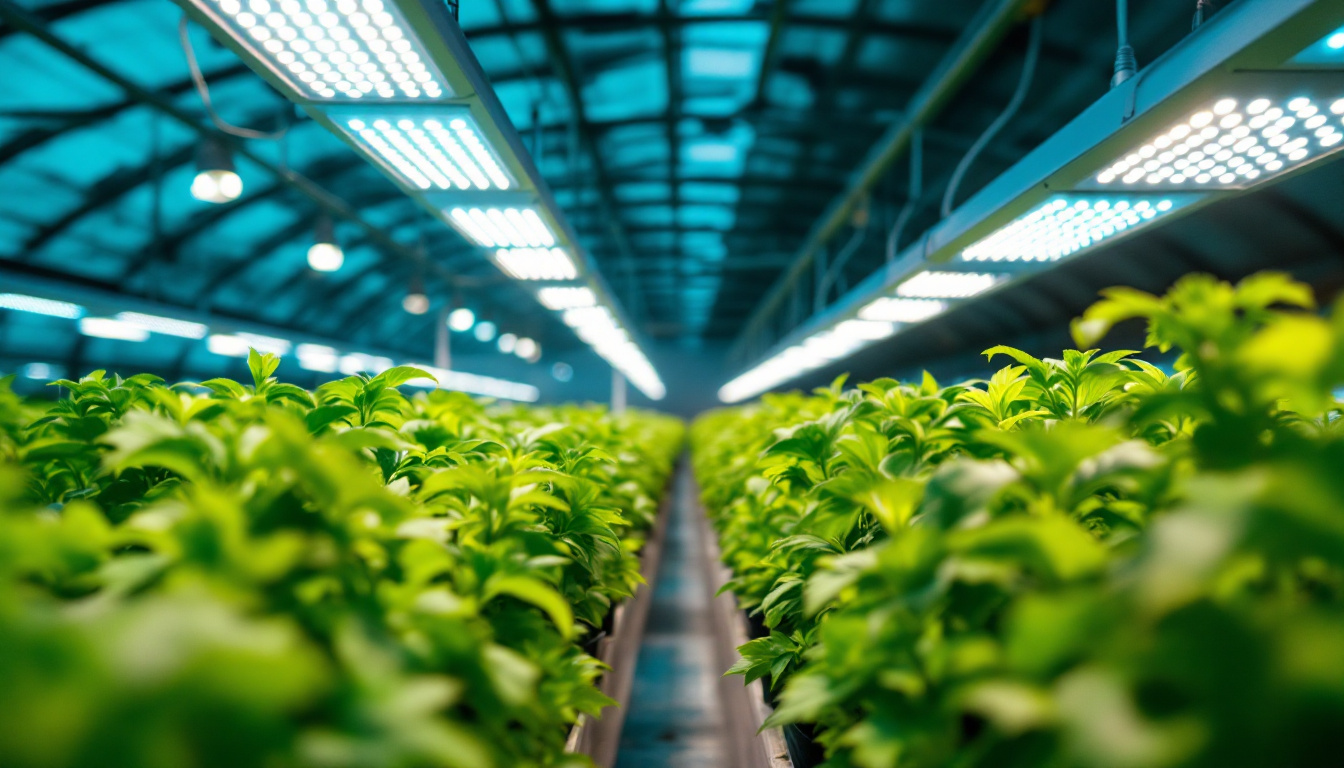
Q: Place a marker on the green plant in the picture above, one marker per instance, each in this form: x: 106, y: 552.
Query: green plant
x: 227, y: 574
x: 1095, y: 563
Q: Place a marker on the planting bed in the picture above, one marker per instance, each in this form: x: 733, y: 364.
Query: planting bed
x: 1090, y: 561
x: 225, y: 574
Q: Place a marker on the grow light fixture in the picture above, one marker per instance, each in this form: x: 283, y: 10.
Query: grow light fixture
x: 503, y: 227
x: 318, y: 358
x: 567, y: 298
x: 461, y: 319
x: 226, y: 345
x: 166, y: 326
x: 333, y: 49
x: 536, y: 264
x: 427, y: 149
x: 1065, y: 225
x: 110, y: 328
x: 476, y: 385
x: 1232, y: 144
x: 902, y: 310
x: 21, y: 303
x: 947, y: 285
x: 357, y: 362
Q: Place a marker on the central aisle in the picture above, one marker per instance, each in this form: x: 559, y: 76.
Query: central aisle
x: 675, y: 718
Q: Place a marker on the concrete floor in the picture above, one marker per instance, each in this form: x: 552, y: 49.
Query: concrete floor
x: 674, y: 718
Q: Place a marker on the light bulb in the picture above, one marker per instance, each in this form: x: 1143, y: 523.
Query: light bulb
x: 415, y: 303
x: 507, y: 343
x: 325, y: 257
x: 461, y: 319
x: 485, y: 331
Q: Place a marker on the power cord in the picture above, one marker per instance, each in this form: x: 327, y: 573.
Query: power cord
x: 1009, y: 111
x: 203, y: 89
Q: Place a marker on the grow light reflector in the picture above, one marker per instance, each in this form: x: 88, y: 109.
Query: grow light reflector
x: 566, y: 298
x: 946, y: 285
x: 902, y: 310
x: 504, y: 227
x: 334, y: 49
x: 536, y: 264
x: 439, y: 150
x: 110, y: 328
x: 166, y: 326
x: 1231, y: 144
x: 21, y: 303
x: 1064, y: 226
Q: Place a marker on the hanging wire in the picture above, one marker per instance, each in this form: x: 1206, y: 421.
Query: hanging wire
x: 841, y: 259
x: 1009, y: 111
x: 915, y: 192
x: 203, y: 89
x: 1203, y: 10
x: 1125, y: 62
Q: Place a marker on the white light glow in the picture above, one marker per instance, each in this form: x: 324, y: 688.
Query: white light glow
x: 474, y: 384
x: 109, y: 328
x: 226, y: 345
x: 443, y: 152
x: 358, y: 362
x: 536, y: 263
x: 946, y: 285
x: 334, y: 49
x: 503, y: 227
x: 415, y: 303
x: 507, y: 343
x: 527, y: 349
x: 21, y: 303
x: 1064, y: 226
x: 325, y: 257
x: 216, y: 186
x: 902, y: 310
x: 271, y: 344
x: 167, y: 326
x: 566, y: 298
x: 1227, y: 146
x: 461, y: 319
x: 318, y: 358
x: 485, y: 331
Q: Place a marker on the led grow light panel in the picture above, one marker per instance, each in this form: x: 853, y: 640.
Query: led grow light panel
x: 38, y: 306
x: 902, y: 310
x: 1065, y: 225
x: 947, y: 285
x: 566, y: 298
x: 503, y: 227
x: 428, y: 148
x: 536, y: 264
x: 1328, y: 51
x: 1232, y: 143
x: 334, y: 49
x: 167, y: 326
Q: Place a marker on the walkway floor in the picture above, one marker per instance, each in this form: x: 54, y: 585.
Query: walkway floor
x: 674, y: 719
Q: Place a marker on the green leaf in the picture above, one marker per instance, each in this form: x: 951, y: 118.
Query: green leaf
x: 539, y: 594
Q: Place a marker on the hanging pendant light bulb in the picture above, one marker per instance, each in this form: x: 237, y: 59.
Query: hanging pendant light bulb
x: 527, y: 349
x: 416, y: 302
x: 461, y: 319
x: 325, y: 254
x: 216, y: 180
x: 485, y: 331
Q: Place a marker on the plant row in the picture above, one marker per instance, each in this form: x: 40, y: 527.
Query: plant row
x: 1084, y: 561
x: 221, y: 574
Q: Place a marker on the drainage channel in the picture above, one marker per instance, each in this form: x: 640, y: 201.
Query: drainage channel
x: 675, y: 717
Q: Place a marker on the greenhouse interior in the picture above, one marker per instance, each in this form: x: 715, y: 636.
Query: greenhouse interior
x: 671, y: 383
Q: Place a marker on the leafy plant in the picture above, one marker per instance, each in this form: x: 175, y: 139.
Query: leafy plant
x: 250, y: 574
x: 1079, y: 562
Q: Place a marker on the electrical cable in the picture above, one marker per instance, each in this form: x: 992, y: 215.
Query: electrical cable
x: 1203, y: 9
x: 913, y: 194
x: 203, y: 89
x: 841, y: 259
x: 1126, y: 64
x: 1009, y: 111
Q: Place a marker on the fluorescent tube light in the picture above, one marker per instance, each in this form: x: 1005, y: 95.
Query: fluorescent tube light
x: 946, y: 285
x: 109, y: 328
x: 864, y: 330
x: 503, y: 227
x: 902, y: 310
x: 1231, y: 144
x: 226, y: 345
x: 270, y: 344
x: 1066, y: 225
x: 566, y: 298
x: 21, y: 303
x: 428, y: 149
x: 333, y: 49
x: 167, y: 326
x: 536, y: 263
